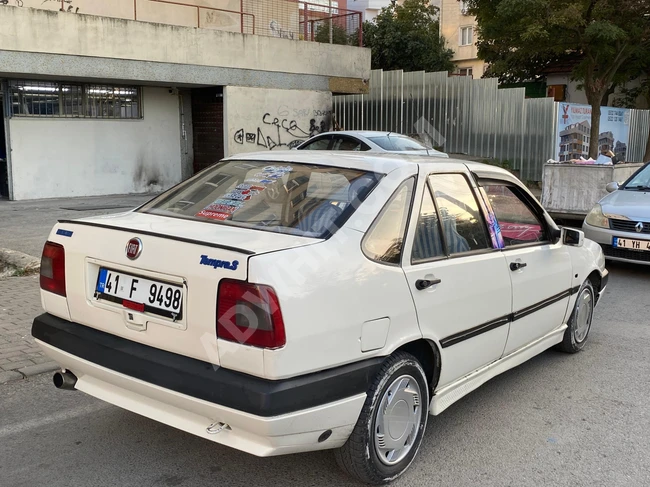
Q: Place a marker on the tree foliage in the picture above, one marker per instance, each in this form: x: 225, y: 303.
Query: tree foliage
x: 407, y: 37
x: 339, y: 34
x: 604, y: 39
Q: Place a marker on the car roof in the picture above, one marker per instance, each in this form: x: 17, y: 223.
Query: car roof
x: 363, y: 133
x: 375, y: 161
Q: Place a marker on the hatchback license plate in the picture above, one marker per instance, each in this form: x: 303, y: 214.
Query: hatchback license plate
x: 628, y: 243
x: 137, y: 292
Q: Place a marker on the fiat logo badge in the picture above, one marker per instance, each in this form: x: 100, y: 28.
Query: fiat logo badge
x: 134, y: 248
x: 639, y: 227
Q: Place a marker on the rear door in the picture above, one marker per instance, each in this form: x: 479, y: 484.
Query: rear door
x: 458, y: 279
x: 540, y: 270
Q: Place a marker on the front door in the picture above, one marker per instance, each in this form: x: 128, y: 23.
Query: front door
x: 458, y: 279
x: 540, y: 270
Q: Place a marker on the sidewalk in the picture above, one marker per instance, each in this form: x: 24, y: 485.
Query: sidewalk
x: 20, y: 357
x: 24, y: 227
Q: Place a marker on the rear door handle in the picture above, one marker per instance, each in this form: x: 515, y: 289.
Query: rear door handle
x: 515, y: 266
x: 421, y: 284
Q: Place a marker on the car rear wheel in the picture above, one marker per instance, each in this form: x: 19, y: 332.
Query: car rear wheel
x: 579, y: 324
x: 389, y: 431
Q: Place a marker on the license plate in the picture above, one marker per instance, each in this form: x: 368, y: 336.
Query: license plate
x: 140, y: 294
x: 628, y: 243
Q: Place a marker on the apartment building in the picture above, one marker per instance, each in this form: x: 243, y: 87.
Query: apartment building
x: 459, y: 30
x: 574, y: 141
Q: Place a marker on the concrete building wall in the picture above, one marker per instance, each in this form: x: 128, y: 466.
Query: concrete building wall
x: 26, y: 30
x: 98, y: 157
x: 262, y: 119
x: 283, y: 12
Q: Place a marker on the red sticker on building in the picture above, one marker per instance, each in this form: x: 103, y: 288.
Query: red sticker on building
x: 213, y: 215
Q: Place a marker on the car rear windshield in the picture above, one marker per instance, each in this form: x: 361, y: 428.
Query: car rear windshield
x: 397, y: 143
x: 299, y: 199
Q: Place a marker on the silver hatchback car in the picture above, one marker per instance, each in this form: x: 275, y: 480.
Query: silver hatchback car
x: 620, y: 222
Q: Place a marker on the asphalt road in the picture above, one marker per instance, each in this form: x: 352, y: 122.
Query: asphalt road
x: 557, y: 420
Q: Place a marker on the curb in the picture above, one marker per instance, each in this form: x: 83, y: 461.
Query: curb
x: 29, y: 371
x: 14, y: 263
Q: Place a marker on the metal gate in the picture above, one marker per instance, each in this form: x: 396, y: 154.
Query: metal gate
x: 207, y: 126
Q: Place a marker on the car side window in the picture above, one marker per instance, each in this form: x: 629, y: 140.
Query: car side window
x: 318, y: 144
x: 385, y: 238
x: 427, y: 244
x: 463, y: 225
x: 518, y: 223
x: 348, y: 144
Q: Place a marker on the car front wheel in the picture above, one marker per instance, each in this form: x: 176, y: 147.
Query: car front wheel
x: 579, y: 324
x: 389, y: 431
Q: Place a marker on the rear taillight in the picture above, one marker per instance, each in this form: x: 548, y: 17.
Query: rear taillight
x: 249, y: 314
x: 53, y: 268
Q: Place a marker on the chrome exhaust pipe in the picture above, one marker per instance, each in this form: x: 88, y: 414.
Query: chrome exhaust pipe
x: 64, y: 380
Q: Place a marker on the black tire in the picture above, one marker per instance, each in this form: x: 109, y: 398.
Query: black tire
x: 571, y: 343
x: 358, y: 457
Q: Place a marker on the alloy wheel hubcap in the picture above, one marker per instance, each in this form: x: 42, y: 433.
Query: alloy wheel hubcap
x: 398, y: 420
x: 584, y: 312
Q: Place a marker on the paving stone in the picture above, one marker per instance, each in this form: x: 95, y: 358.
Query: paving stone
x: 16, y: 365
x: 39, y: 369
x: 9, y: 376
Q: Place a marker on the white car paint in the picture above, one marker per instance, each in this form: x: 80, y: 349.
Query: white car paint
x: 365, y: 136
x: 339, y: 307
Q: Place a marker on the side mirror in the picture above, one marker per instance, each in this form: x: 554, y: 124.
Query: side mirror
x: 611, y: 187
x: 573, y: 237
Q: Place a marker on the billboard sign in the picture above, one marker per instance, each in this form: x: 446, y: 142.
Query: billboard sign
x: 574, y: 131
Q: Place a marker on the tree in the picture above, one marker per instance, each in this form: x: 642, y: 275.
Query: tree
x: 519, y: 38
x: 407, y: 37
x: 339, y: 34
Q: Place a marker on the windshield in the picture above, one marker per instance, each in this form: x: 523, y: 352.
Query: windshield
x: 396, y: 142
x: 299, y: 199
x: 640, y: 181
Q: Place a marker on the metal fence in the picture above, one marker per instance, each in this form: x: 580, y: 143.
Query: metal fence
x: 466, y: 116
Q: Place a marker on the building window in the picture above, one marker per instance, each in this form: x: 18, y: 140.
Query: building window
x: 464, y: 8
x: 71, y: 100
x: 465, y: 72
x: 466, y: 36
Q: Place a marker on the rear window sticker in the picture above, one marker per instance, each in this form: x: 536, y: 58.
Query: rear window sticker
x: 227, y: 202
x: 221, y: 208
x: 282, y: 169
x: 214, y: 215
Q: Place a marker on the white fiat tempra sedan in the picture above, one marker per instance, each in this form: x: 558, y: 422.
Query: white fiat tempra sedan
x: 284, y: 302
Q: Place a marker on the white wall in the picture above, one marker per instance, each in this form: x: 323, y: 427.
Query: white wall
x: 258, y: 119
x: 54, y: 158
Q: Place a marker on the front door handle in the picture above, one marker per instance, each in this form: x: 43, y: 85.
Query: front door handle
x: 515, y: 266
x: 421, y: 284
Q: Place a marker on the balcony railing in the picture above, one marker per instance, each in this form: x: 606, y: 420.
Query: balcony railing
x: 314, y: 21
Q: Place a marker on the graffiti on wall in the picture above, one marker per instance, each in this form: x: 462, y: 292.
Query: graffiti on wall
x: 17, y: 3
x: 277, y: 31
x: 286, y: 130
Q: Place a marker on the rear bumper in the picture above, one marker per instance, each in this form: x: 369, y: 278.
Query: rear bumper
x: 265, y: 417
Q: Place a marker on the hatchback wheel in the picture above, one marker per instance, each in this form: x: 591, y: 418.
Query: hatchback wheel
x: 389, y: 431
x: 577, y: 332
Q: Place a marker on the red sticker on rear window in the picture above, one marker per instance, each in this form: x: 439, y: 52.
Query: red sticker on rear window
x: 213, y: 215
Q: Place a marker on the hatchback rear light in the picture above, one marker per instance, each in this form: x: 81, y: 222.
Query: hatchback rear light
x: 53, y: 268
x: 249, y: 314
